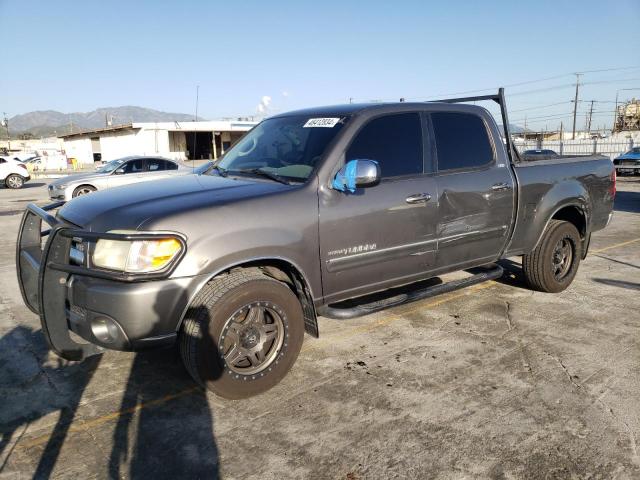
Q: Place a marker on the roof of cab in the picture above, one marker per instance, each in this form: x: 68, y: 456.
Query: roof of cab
x: 353, y: 108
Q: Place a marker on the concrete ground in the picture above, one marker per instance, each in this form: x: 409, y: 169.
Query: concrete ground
x: 494, y: 381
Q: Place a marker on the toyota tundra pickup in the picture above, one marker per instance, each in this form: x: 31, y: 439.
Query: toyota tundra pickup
x: 310, y: 209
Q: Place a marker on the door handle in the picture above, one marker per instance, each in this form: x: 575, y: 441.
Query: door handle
x: 418, y: 198
x: 500, y: 186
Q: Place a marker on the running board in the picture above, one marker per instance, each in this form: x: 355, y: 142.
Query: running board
x: 492, y: 272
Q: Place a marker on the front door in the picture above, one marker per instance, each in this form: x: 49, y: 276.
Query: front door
x: 475, y: 187
x: 134, y: 172
x: 386, y: 233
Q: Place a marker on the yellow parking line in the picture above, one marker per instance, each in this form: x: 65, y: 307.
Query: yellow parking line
x: 610, y: 247
x: 82, y: 425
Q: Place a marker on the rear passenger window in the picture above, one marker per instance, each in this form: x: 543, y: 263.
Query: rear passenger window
x: 394, y: 141
x: 158, y: 164
x: 462, y: 141
x: 155, y: 165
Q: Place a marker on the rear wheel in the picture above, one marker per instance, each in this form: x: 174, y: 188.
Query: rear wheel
x: 83, y: 190
x: 552, y: 266
x: 242, y: 333
x: 14, y: 181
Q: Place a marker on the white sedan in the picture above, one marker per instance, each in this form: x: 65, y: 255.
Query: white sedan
x: 13, y: 172
x: 123, y: 171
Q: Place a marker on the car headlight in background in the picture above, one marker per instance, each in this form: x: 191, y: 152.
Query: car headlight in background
x: 135, y: 256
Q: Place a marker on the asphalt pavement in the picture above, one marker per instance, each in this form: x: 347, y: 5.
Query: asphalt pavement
x: 494, y: 381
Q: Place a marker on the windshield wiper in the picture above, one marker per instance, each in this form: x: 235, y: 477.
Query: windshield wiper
x: 267, y: 174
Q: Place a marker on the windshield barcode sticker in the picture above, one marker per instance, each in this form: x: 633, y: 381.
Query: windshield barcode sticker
x: 321, y: 122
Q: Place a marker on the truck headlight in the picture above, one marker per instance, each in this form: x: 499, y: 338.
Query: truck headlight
x: 135, y: 256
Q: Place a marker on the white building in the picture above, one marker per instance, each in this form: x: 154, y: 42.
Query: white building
x: 177, y: 140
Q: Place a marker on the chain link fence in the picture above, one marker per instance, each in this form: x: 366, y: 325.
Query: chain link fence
x: 602, y: 146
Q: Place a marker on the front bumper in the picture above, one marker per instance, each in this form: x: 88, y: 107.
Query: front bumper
x: 56, y: 193
x: 106, y: 309
x: 626, y: 166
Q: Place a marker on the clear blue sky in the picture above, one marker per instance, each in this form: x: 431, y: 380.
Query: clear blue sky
x: 80, y: 55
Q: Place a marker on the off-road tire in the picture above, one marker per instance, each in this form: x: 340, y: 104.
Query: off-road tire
x: 14, y: 181
x: 201, y: 335
x: 538, y: 266
x: 83, y: 190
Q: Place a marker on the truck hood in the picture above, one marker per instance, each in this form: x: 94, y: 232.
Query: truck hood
x: 128, y: 207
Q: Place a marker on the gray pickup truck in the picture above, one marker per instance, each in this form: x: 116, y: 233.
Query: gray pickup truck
x: 310, y: 209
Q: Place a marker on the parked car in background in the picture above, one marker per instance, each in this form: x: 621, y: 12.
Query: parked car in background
x: 628, y: 163
x: 122, y: 171
x: 542, y: 154
x: 22, y: 157
x: 35, y: 164
x: 13, y: 172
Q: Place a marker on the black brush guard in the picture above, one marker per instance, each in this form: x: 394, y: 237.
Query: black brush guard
x: 44, y: 273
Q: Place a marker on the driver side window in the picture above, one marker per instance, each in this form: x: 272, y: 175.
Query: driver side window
x: 394, y: 141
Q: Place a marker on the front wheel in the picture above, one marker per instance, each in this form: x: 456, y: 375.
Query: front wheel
x: 552, y: 266
x: 83, y: 190
x: 14, y: 181
x: 242, y: 334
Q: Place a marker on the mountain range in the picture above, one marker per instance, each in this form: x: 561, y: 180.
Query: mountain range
x: 51, y: 122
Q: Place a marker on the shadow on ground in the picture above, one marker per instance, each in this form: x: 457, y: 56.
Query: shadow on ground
x: 618, y: 283
x: 513, y: 274
x: 627, y: 201
x: 27, y: 185
x: 151, y: 438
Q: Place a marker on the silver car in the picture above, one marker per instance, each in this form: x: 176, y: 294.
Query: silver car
x: 122, y: 171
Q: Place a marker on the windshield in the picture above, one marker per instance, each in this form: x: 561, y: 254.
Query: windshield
x: 635, y: 150
x: 111, y: 166
x: 289, y: 147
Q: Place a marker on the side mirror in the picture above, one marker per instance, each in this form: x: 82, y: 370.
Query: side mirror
x: 357, y: 174
x: 119, y: 171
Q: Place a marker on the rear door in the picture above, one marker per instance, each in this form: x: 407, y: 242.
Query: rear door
x: 475, y: 188
x: 158, y: 168
x: 385, y: 233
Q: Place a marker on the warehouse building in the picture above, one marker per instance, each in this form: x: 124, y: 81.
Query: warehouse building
x: 176, y: 140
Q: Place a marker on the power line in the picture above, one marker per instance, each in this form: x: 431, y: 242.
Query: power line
x: 541, y: 106
x: 612, y: 81
x: 637, y: 67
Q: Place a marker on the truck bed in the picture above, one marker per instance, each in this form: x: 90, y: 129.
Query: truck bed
x: 545, y: 187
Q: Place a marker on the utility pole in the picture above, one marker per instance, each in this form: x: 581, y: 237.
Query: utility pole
x: 590, y: 115
x: 615, y: 114
x: 5, y: 123
x: 197, y: 94
x: 575, y: 105
x: 195, y: 133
